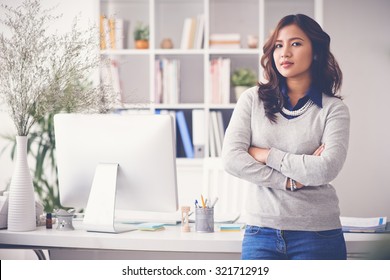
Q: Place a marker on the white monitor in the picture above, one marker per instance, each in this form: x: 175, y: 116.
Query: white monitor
x: 109, y: 162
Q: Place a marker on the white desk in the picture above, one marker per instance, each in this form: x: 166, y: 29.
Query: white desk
x: 168, y: 244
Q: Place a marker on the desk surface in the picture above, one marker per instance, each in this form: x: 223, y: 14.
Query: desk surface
x: 172, y: 239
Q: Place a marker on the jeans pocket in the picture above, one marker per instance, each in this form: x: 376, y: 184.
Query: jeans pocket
x: 252, y: 230
x: 329, y: 233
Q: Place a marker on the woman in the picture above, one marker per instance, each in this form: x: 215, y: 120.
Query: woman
x: 289, y: 136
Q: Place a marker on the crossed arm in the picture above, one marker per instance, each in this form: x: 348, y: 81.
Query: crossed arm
x: 261, y: 155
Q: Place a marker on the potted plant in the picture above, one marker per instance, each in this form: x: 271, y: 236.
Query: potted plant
x: 242, y: 79
x: 42, y: 73
x: 141, y: 36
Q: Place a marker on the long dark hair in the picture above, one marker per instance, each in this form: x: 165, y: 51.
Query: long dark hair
x: 325, y: 71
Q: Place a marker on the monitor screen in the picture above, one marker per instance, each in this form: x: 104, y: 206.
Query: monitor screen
x: 141, y: 146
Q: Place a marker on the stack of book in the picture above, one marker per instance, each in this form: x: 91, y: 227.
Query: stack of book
x: 167, y: 89
x: 216, y: 133
x: 225, y: 41
x: 352, y: 224
x: 192, y: 35
x: 220, y: 80
x: 112, y: 34
x: 109, y: 76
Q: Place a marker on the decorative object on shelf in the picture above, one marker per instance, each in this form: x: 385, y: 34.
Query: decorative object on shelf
x: 185, y: 218
x: 225, y: 41
x: 242, y: 79
x: 65, y: 219
x: 141, y: 36
x: 3, y: 210
x: 252, y: 41
x: 166, y: 43
x: 36, y: 81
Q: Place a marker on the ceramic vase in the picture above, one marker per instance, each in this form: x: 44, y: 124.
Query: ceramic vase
x: 141, y: 44
x: 21, y: 204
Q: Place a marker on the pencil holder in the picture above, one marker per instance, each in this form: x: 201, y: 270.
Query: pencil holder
x: 204, y: 219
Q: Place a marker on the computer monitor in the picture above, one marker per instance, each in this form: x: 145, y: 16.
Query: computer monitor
x: 109, y: 162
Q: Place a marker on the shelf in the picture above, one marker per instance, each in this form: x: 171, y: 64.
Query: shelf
x: 142, y: 72
x: 126, y: 52
x: 178, y: 51
x: 234, y: 51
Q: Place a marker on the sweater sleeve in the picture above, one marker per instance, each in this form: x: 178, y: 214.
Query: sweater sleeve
x: 318, y: 170
x: 236, y: 159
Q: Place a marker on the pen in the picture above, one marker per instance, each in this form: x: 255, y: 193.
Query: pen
x: 196, y: 203
x: 215, y: 202
x: 203, y: 204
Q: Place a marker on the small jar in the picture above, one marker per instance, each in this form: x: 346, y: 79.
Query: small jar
x: 49, y: 220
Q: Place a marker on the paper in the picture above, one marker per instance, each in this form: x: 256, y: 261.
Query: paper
x: 353, y: 224
x: 151, y: 226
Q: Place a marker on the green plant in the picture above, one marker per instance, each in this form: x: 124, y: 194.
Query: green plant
x: 244, y: 77
x: 141, y: 32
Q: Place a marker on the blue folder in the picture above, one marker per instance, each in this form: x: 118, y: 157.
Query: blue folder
x: 185, y: 134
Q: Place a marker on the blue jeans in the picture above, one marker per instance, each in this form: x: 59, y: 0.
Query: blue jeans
x: 262, y: 243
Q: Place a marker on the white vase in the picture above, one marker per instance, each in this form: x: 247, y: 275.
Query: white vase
x: 21, y: 203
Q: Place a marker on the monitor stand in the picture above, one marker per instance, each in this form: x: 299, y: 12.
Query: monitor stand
x: 100, y: 212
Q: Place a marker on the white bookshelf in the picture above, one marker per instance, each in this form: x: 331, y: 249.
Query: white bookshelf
x: 165, y: 19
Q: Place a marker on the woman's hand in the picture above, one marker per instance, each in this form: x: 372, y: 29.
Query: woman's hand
x: 259, y: 154
x: 317, y: 152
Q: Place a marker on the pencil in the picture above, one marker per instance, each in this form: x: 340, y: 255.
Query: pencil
x: 203, y: 204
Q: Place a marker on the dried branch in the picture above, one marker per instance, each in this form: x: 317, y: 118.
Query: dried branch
x: 43, y: 73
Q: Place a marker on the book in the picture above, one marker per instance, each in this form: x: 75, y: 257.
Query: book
x: 167, y: 81
x: 353, y: 224
x: 151, y: 226
x: 199, y: 32
x: 111, y: 29
x: 185, y: 134
x: 109, y: 76
x: 225, y: 41
x: 221, y: 126
x: 198, y: 135
x: 119, y: 34
x: 185, y: 36
x: 220, y: 80
x: 230, y: 227
x: 216, y: 133
x: 106, y: 33
x: 191, y: 39
x: 212, y: 144
x: 103, y: 44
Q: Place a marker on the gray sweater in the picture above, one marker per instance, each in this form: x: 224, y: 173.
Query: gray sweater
x: 292, y: 143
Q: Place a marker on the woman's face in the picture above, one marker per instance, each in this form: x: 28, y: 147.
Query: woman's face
x: 293, y: 53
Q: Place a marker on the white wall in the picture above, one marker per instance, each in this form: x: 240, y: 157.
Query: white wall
x: 361, y: 43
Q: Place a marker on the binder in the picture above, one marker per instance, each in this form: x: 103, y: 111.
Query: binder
x: 221, y: 126
x: 198, y: 135
x: 212, y: 139
x: 185, y: 135
x: 217, y: 136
